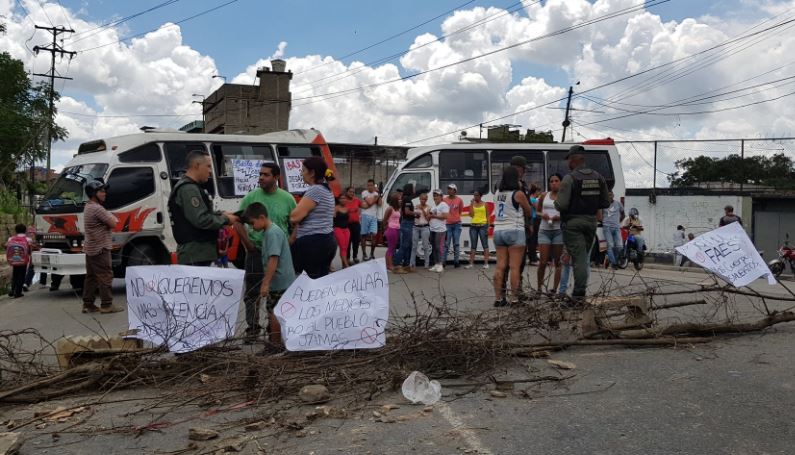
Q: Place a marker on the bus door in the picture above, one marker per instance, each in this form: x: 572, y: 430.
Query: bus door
x: 468, y: 169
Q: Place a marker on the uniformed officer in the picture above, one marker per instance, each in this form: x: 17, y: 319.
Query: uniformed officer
x: 194, y: 224
x: 583, y: 193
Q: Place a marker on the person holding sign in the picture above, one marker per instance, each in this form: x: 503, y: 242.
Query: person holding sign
x: 194, y: 225
x: 279, y: 203
x: 277, y: 263
x: 313, y: 221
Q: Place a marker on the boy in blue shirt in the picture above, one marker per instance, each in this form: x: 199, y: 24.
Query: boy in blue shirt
x: 276, y: 262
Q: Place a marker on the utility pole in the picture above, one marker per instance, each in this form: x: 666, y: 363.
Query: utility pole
x: 54, y: 49
x: 566, y: 121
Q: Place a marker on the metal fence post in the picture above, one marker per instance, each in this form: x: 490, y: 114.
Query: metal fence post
x: 654, y: 187
x: 742, y: 159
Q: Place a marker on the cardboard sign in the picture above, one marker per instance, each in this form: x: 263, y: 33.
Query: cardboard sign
x: 729, y: 253
x: 348, y: 309
x: 181, y: 306
x: 292, y: 175
x: 246, y: 175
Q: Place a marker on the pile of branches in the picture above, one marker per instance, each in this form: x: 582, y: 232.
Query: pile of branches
x: 436, y: 339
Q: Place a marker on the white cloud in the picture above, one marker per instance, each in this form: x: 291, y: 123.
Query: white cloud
x: 158, y: 73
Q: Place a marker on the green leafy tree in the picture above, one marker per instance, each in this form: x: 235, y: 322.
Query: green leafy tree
x: 777, y: 171
x: 24, y: 118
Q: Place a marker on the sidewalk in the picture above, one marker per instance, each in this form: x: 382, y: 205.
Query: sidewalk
x: 660, y: 266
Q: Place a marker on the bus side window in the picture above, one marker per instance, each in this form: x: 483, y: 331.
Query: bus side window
x: 598, y: 160
x: 147, y: 153
x: 534, y: 171
x: 176, y: 152
x: 225, y: 156
x: 467, y: 169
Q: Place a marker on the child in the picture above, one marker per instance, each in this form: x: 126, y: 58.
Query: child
x: 224, y: 237
x: 392, y: 232
x: 18, y: 256
x: 277, y: 264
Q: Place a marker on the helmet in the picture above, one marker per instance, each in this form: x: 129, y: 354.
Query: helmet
x: 94, y: 186
x: 633, y: 212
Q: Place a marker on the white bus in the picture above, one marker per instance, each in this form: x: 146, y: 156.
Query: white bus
x: 478, y: 166
x: 140, y: 170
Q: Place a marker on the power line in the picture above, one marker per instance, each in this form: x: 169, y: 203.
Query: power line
x: 396, y: 35
x: 93, y: 31
x: 345, y: 74
x: 607, y: 84
x: 207, y: 11
x: 646, y: 4
x: 65, y: 14
x: 39, y: 2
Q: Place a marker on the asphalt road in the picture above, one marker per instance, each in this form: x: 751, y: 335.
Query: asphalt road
x: 731, y: 396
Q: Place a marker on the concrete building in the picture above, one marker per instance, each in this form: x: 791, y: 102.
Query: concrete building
x: 251, y: 109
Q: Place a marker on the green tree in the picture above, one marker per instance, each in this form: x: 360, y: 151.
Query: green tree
x: 24, y: 118
x: 777, y: 171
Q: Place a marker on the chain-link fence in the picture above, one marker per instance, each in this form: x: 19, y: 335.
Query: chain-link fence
x: 653, y: 164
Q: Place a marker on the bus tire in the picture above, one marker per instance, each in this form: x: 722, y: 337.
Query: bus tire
x: 77, y: 281
x: 143, y: 254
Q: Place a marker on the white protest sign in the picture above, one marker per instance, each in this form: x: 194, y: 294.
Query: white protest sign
x: 729, y: 253
x: 181, y: 306
x: 292, y: 175
x: 347, y: 309
x: 246, y: 175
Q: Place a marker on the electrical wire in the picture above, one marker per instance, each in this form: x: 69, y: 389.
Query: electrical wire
x: 207, y: 11
x: 351, y: 54
x: 93, y: 31
x: 351, y: 72
x: 608, y: 16
x: 65, y: 13
x: 40, y: 3
x: 607, y: 84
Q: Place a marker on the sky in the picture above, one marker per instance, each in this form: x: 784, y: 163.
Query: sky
x: 144, y: 70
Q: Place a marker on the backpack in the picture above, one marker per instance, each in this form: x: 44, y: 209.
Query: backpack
x: 17, y: 251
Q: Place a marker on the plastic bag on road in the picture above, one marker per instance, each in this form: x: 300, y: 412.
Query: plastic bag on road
x: 417, y: 388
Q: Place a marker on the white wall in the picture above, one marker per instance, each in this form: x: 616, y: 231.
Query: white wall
x: 697, y: 214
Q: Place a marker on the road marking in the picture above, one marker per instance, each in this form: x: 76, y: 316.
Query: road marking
x: 468, y: 435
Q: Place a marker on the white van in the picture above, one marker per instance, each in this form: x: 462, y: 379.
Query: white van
x: 478, y: 166
x: 140, y: 170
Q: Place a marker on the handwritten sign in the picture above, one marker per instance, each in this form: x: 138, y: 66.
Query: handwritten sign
x: 729, y: 253
x: 348, y: 309
x: 246, y: 175
x: 181, y: 306
x: 293, y: 177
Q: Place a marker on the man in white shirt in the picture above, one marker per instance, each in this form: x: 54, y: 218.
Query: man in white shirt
x: 371, y: 200
x: 679, y: 239
x: 635, y: 226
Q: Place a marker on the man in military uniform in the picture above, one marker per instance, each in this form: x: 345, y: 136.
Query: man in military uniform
x: 583, y: 193
x: 194, y: 224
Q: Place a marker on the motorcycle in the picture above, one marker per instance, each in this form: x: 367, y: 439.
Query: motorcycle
x: 630, y: 252
x: 785, y: 255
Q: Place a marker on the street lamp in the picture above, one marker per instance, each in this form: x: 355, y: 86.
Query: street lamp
x: 204, y: 125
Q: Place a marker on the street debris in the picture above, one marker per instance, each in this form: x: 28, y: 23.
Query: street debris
x: 417, y: 388
x: 498, y: 394
x: 314, y: 393
x: 10, y: 443
x: 561, y: 365
x: 202, y: 434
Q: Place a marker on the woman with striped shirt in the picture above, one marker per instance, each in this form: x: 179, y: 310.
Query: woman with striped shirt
x: 313, y: 221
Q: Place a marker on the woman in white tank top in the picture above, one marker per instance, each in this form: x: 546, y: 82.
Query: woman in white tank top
x: 550, y: 234
x: 511, y: 208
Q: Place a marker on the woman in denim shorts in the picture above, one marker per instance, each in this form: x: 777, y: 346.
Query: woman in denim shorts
x: 511, y: 207
x: 550, y: 234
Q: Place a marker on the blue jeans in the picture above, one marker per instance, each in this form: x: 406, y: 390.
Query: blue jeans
x: 454, y: 238
x: 403, y: 254
x: 614, y: 242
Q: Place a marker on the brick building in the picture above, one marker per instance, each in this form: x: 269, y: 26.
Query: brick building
x: 251, y: 109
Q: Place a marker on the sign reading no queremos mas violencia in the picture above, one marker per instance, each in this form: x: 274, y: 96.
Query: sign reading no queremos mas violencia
x: 347, y: 309
x: 246, y: 174
x: 181, y: 306
x: 729, y: 253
